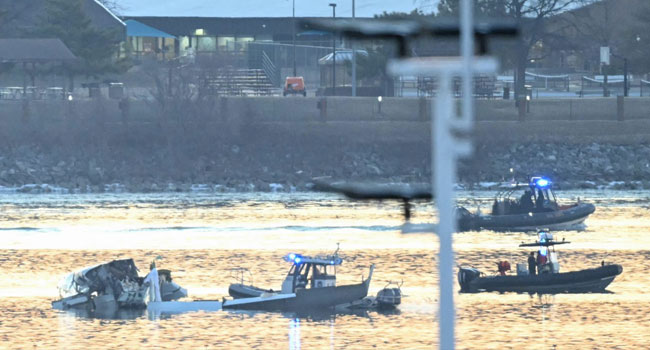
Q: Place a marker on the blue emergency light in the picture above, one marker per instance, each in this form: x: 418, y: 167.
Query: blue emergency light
x: 541, y: 182
x: 293, y: 258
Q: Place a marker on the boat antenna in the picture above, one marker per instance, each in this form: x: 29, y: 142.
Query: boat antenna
x: 153, y: 262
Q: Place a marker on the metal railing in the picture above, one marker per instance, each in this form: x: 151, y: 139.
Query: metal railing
x: 270, y: 69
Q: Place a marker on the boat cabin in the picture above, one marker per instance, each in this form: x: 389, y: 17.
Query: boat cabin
x: 538, y: 197
x: 310, y: 272
x: 546, y: 256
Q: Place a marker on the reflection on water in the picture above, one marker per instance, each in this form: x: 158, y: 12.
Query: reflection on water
x: 201, y: 237
x: 112, y: 313
x: 294, y: 334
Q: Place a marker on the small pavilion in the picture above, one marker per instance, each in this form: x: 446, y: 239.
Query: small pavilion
x: 29, y: 52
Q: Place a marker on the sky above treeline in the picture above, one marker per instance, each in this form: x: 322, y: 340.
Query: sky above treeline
x: 267, y: 8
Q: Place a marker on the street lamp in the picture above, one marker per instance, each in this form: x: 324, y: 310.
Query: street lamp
x: 354, y: 61
x: 333, y: 52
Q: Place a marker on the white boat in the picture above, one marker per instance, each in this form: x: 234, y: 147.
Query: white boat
x: 115, y: 285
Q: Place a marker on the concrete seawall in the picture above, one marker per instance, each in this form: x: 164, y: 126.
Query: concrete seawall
x: 300, y: 109
x: 243, y: 142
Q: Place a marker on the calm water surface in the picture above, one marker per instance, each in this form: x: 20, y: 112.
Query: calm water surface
x: 202, y: 236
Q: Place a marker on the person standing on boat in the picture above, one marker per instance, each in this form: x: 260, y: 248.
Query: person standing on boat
x: 541, y: 261
x: 532, y: 263
x: 526, y: 202
x: 539, y: 203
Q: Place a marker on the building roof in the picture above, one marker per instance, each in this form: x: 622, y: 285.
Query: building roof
x: 249, y: 26
x: 101, y: 16
x: 135, y: 28
x: 259, y: 8
x: 34, y: 50
x: 342, y: 55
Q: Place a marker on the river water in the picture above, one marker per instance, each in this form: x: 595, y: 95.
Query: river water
x: 202, y: 236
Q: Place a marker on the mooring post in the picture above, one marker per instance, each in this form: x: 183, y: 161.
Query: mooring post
x: 620, y: 108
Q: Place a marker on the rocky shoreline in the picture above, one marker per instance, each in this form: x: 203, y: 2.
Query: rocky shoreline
x: 238, y: 168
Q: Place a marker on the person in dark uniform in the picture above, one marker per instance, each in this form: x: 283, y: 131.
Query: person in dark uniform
x: 541, y: 262
x: 532, y: 263
x: 526, y: 202
x: 539, y: 203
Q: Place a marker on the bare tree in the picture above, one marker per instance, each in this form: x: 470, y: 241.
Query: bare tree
x: 620, y: 25
x: 530, y: 15
x: 111, y: 5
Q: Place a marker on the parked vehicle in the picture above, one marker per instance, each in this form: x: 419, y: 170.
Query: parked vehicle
x: 294, y: 86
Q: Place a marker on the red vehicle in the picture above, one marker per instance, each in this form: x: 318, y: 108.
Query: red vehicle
x: 294, y: 86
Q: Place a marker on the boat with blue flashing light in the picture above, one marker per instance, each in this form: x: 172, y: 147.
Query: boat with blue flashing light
x: 536, y: 208
x: 541, y: 277
x: 309, y: 285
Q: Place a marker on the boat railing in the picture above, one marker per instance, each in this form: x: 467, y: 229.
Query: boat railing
x: 394, y: 284
x: 241, y: 274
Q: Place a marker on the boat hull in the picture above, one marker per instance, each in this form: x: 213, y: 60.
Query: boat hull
x: 554, y: 220
x: 583, y: 281
x: 238, y: 291
x: 305, y: 299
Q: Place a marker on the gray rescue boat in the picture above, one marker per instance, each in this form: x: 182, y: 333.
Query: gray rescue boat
x: 547, y: 280
x: 309, y: 285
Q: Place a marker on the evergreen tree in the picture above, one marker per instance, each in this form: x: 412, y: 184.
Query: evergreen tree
x: 96, y: 48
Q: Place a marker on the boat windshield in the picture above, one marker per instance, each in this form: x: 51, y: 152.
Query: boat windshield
x: 535, y: 197
x: 320, y: 270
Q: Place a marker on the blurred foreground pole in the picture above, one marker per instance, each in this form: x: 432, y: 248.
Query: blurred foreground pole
x: 354, y: 60
x: 450, y: 141
x: 333, y: 5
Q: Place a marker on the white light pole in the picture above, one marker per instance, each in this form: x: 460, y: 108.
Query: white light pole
x: 448, y: 145
x: 293, y: 34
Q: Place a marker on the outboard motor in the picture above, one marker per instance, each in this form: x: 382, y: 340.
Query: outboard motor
x: 465, y: 276
x: 389, y: 297
x: 466, y: 220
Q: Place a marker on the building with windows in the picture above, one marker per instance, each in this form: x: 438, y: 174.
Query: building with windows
x: 144, y: 41
x: 227, y: 35
x: 245, y: 42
